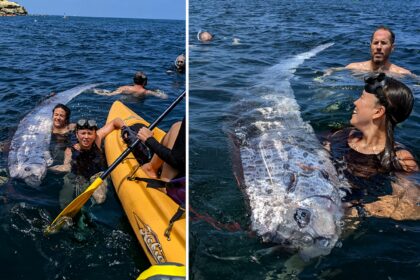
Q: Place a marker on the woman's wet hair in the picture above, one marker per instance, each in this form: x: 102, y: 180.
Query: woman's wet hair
x: 140, y: 79
x: 66, y: 109
x: 398, y: 101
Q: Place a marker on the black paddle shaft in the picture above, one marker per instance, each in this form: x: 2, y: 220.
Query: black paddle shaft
x: 135, y: 143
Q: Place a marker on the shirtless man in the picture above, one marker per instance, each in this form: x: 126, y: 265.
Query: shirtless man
x: 137, y: 90
x: 381, y: 47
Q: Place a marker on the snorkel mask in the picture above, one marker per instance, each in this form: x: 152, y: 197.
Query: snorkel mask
x: 86, y: 124
x: 375, y: 85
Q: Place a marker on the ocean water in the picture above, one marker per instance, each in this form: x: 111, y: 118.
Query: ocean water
x: 44, y: 54
x: 254, y: 39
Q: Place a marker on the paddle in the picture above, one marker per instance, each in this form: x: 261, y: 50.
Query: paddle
x: 74, y: 207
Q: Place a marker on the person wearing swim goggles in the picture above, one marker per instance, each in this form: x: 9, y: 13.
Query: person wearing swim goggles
x: 384, y: 103
x: 370, y: 158
x: 86, y: 124
x: 86, y: 158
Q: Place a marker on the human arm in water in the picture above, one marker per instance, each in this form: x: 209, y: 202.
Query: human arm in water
x: 402, y: 204
x: 66, y: 166
x: 133, y: 90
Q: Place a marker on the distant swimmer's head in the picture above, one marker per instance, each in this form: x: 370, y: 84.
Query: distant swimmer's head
x: 140, y: 79
x: 180, y: 63
x: 382, y: 44
x: 61, y: 115
x: 204, y: 36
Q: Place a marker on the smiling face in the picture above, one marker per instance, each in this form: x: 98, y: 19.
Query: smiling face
x: 86, y: 138
x: 381, y: 46
x: 59, y: 118
x: 365, y: 108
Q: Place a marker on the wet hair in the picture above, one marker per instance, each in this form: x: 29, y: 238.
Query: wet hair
x: 398, y: 101
x: 66, y: 109
x: 200, y: 35
x: 140, y: 79
x: 383, y: 27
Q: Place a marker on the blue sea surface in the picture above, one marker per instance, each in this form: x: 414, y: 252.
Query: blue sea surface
x: 44, y: 54
x: 250, y: 37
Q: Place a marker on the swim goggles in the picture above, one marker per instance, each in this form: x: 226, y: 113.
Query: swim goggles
x: 375, y: 84
x: 86, y: 124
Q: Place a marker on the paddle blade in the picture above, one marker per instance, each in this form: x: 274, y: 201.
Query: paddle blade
x: 73, y: 208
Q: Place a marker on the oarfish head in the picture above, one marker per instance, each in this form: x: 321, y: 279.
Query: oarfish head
x: 318, y: 220
x: 313, y: 227
x: 32, y: 174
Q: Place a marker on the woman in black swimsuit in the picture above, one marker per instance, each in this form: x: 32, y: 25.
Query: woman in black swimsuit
x: 367, y: 152
x: 61, y: 132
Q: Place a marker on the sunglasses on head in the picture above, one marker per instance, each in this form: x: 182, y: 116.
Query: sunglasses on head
x: 86, y: 124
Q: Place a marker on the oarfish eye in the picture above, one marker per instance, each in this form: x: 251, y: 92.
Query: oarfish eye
x: 323, y: 242
x: 302, y: 217
x: 307, y: 240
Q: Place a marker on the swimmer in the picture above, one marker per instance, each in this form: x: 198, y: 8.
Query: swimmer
x: 61, y: 132
x: 382, y: 44
x: 137, y: 90
x: 61, y: 120
x: 370, y: 152
x: 85, y: 159
x: 180, y: 63
x: 204, y: 36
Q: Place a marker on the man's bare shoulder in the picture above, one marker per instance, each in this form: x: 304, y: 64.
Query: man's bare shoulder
x: 131, y: 90
x: 399, y: 70
x: 361, y: 66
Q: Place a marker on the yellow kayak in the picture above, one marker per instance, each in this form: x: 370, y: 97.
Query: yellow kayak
x: 148, y: 210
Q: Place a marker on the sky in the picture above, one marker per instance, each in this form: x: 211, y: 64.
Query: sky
x: 151, y: 9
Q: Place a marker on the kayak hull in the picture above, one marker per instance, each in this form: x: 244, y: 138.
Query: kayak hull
x: 148, y: 210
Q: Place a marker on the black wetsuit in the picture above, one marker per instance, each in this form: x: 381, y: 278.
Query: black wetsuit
x: 58, y: 144
x: 87, y: 162
x: 175, y: 157
x: 369, y: 180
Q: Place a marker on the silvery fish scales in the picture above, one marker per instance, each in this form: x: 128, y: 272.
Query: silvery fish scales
x: 29, y: 154
x: 293, y: 189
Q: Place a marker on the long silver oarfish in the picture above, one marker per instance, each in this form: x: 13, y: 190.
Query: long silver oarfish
x: 29, y: 153
x: 293, y: 189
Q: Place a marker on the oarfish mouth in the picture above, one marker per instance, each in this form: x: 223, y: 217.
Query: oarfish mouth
x: 33, y: 181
